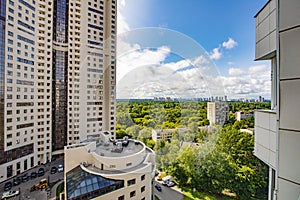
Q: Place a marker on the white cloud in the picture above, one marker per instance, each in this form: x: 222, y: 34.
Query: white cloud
x: 235, y: 72
x: 215, y: 54
x: 257, y: 69
x: 122, y: 3
x: 131, y: 57
x: 122, y: 24
x: 229, y: 44
x: 253, y: 82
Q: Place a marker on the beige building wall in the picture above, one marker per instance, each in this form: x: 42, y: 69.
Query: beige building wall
x: 91, y: 105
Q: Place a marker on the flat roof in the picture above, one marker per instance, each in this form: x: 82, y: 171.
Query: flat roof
x: 110, y: 149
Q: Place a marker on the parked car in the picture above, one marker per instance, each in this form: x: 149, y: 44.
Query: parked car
x: 17, y: 181
x: 41, y: 171
x: 8, y: 186
x: 25, y: 178
x: 158, y: 187
x: 10, y: 194
x: 53, y: 170
x: 167, y: 179
x: 33, y: 175
x: 60, y: 168
x: 170, y: 184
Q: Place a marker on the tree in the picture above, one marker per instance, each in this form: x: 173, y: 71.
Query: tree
x: 134, y: 131
x: 144, y: 134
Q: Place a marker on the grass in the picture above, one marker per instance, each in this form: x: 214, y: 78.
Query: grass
x: 195, y: 195
x: 156, y: 198
x: 59, y: 189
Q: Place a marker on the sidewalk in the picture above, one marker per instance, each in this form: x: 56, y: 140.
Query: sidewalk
x: 53, y: 190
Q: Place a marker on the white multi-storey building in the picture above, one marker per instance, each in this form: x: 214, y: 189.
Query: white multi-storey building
x: 277, y: 131
x: 217, y: 112
x: 57, y: 69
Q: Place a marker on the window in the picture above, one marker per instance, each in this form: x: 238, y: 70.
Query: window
x: 132, y: 194
x: 143, y: 177
x: 121, y: 197
x: 131, y: 182
x: 143, y: 189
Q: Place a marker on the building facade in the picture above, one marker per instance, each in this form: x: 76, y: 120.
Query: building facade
x: 277, y: 131
x: 239, y: 115
x: 101, y: 168
x: 217, y: 112
x: 57, y: 77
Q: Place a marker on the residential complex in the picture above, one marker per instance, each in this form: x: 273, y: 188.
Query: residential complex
x: 277, y: 131
x: 58, y: 78
x: 101, y: 168
x: 162, y: 134
x: 243, y: 115
x: 217, y: 112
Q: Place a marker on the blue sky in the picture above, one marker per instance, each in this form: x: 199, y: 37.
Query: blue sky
x: 225, y: 29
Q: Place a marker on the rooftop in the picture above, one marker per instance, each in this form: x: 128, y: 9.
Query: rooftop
x: 118, y: 148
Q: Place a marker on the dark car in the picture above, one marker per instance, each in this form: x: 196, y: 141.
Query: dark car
x: 41, y: 171
x: 8, y: 186
x: 158, y: 187
x: 33, y: 175
x: 17, y: 181
x: 25, y: 178
x: 53, y: 170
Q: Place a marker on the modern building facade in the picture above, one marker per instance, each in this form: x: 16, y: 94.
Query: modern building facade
x: 277, y: 131
x: 57, y: 77
x: 217, y: 112
x: 101, y: 168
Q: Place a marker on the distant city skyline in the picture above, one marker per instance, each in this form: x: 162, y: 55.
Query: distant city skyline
x: 206, y: 50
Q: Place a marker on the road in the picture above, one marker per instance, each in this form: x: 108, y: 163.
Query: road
x: 25, y: 187
x: 167, y: 193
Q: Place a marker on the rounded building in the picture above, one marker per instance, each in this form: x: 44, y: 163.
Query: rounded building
x: 101, y: 168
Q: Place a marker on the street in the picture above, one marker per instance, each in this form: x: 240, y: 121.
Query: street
x: 167, y: 193
x: 24, y: 187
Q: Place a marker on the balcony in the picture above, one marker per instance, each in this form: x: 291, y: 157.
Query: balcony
x: 265, y: 136
x: 265, y: 45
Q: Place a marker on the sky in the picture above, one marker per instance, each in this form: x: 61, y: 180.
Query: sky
x: 189, y: 49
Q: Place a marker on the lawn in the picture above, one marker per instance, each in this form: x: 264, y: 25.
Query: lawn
x: 195, y: 195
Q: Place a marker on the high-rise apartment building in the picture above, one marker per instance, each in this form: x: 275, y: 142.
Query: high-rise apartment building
x: 217, y: 112
x: 57, y: 61
x: 277, y: 131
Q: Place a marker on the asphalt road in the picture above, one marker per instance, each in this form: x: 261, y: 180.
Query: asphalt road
x: 25, y: 187
x: 167, y: 193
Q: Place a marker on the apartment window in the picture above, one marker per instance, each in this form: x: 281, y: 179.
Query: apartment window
x: 9, y: 171
x: 132, y: 194
x: 143, y: 189
x: 143, y: 177
x: 25, y: 164
x: 121, y: 197
x: 131, y: 182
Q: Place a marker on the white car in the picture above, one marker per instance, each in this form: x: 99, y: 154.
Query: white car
x: 9, y: 194
x: 60, y: 168
x: 170, y: 184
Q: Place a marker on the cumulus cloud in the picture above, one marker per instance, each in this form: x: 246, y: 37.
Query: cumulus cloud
x: 229, y: 44
x: 147, y: 74
x: 123, y: 25
x: 235, y: 72
x: 133, y: 56
x: 215, y: 54
x: 257, y: 69
x: 253, y: 82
